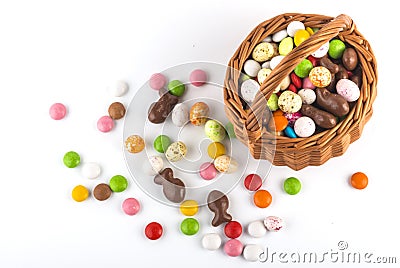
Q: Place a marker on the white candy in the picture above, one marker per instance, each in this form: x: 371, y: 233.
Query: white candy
x: 322, y: 51
x: 267, y: 39
x: 273, y: 223
x: 278, y: 36
x: 293, y: 27
x: 249, y: 89
x: 252, y: 252
x: 91, y: 170
x: 211, y: 241
x: 265, y: 65
x: 118, y: 89
x: 256, y: 229
x: 154, y: 165
x: 263, y: 74
x: 251, y: 68
x: 180, y: 115
x: 275, y: 61
x: 307, y: 95
x: 304, y: 127
x: 285, y: 83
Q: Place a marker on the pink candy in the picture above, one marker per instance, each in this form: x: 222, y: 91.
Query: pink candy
x: 105, y: 124
x: 157, y: 81
x: 198, y: 78
x: 307, y: 83
x: 131, y: 206
x: 292, y: 117
x: 57, y: 111
x: 208, y: 171
x: 233, y: 248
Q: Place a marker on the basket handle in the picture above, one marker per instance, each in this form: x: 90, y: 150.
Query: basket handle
x: 289, y: 62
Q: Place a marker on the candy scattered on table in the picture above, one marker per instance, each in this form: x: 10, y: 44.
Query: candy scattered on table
x: 214, y: 131
x: 198, y: 77
x: 359, y: 180
x: 91, y: 170
x: 230, y: 130
x: 134, y: 144
x: 176, y: 88
x: 118, y: 89
x: 215, y: 149
x: 131, y: 206
x: 199, y: 113
x: 211, y: 241
x: 226, y: 164
x: 190, y: 226
x: 180, y: 115
x: 273, y: 223
x: 80, y: 193
x: 189, y: 207
x: 256, y: 229
x: 262, y: 198
x: 71, y: 159
x: 154, y: 165
x: 253, y: 182
x: 153, y: 230
x: 218, y: 203
x: 105, y: 124
x: 292, y: 185
x: 252, y: 252
x: 57, y: 111
x: 102, y: 192
x: 233, y: 229
x: 160, y: 110
x: 116, y: 110
x: 208, y: 171
x: 173, y: 188
x: 233, y: 248
x: 157, y: 81
x: 176, y: 151
x: 118, y: 183
x: 161, y: 143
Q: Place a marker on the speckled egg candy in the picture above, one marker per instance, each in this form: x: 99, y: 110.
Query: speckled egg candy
x: 322, y: 51
x: 320, y: 76
x: 153, y: 165
x: 249, y: 89
x: 289, y: 102
x: 263, y: 74
x: 199, y: 113
x: 304, y: 127
x: 307, y: 95
x: 214, y: 130
x: 176, y: 151
x: 348, y: 89
x: 273, y: 223
x: 263, y: 52
x: 180, y: 115
x: 292, y: 117
x: 226, y: 164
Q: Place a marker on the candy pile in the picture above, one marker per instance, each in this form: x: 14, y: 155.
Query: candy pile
x: 316, y: 95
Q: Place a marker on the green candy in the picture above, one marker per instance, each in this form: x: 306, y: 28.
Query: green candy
x: 161, y: 143
x: 336, y: 49
x: 118, y: 183
x: 190, y: 226
x: 292, y: 186
x: 229, y: 129
x: 176, y: 88
x: 244, y: 77
x: 214, y: 130
x: 303, y: 69
x: 71, y: 159
x: 273, y: 102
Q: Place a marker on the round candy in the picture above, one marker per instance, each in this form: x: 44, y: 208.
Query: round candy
x: 285, y: 46
x: 263, y: 74
x: 256, y: 229
x: 278, y: 123
x: 208, y: 171
x: 249, y: 89
x: 303, y: 68
x: 278, y: 36
x: 252, y: 182
x: 157, y: 81
x: 230, y: 130
x: 116, y: 110
x: 348, y: 89
x: 134, y: 144
x: 176, y: 88
x: 198, y: 77
x: 252, y: 252
x: 273, y: 102
x: 180, y: 115
x: 102, y: 192
x: 263, y: 52
x: 273, y: 223
x: 118, y: 89
x: 225, y: 164
x: 304, y: 127
x: 199, y: 113
x: 275, y: 61
x: 265, y: 65
x: 233, y: 229
x: 336, y: 49
x: 211, y: 241
x: 91, y: 170
x: 154, y: 165
x: 153, y: 231
x: 322, y: 51
x: 293, y: 27
x: 251, y: 68
x: 300, y: 36
x: 215, y: 149
x: 71, y: 159
x: 320, y: 76
x: 292, y: 186
x: 262, y: 198
x: 176, y: 151
x: 131, y: 206
x: 214, y: 130
x: 233, y: 248
x: 289, y: 102
x: 307, y: 83
x: 307, y: 95
x: 289, y: 131
x: 118, y: 183
x: 190, y: 226
x: 285, y: 83
x: 57, y: 111
x: 189, y: 207
x: 161, y: 143
x: 105, y: 124
x: 292, y: 117
x: 310, y: 30
x: 80, y: 193
x: 359, y: 180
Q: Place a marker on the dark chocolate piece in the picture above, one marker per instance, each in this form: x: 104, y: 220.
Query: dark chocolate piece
x: 350, y: 58
x: 116, y: 110
x: 173, y: 188
x: 333, y: 103
x: 160, y: 110
x: 102, y: 192
x: 320, y: 117
x: 218, y: 203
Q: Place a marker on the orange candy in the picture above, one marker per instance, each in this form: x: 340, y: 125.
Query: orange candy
x: 359, y: 180
x: 278, y: 123
x: 262, y: 198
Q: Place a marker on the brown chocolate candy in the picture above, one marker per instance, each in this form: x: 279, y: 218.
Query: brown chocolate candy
x: 218, y: 203
x: 116, y: 110
x: 342, y: 73
x: 356, y: 77
x: 328, y: 64
x: 350, y: 58
x: 160, y: 110
x: 333, y: 103
x: 102, y: 192
x: 332, y: 86
x: 173, y: 188
x: 320, y: 117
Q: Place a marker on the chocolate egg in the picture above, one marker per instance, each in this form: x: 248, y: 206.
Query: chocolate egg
x: 350, y: 59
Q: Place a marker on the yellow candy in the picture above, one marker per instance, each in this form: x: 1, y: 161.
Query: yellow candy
x: 285, y: 46
x: 215, y: 149
x: 300, y: 36
x: 263, y: 52
x: 309, y: 30
x: 80, y: 193
x: 189, y: 207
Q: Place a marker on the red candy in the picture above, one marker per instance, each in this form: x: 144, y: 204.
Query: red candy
x: 313, y: 60
x: 153, y: 231
x: 233, y: 229
x: 296, y: 81
x: 252, y: 182
x: 292, y: 88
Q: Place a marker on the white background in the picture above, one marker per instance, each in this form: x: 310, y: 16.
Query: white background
x: 69, y: 52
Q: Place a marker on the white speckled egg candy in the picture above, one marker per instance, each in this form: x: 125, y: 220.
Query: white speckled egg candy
x: 263, y: 74
x: 226, y: 164
x: 180, y: 115
x: 307, y: 95
x: 273, y: 223
x: 322, y: 51
x: 214, y: 131
x: 251, y: 68
x: 176, y: 151
x: 348, y: 89
x: 252, y: 252
x: 293, y: 27
x: 304, y: 127
x: 249, y: 89
x: 154, y: 165
x: 289, y: 102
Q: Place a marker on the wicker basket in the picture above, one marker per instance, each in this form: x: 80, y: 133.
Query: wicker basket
x: 298, y: 153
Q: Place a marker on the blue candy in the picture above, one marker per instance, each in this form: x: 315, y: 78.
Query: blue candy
x: 289, y: 131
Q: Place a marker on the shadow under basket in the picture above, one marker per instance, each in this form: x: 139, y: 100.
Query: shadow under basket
x: 298, y: 153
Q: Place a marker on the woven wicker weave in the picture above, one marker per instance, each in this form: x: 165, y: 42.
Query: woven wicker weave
x: 298, y: 153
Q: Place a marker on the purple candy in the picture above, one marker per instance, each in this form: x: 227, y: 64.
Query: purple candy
x: 292, y: 117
